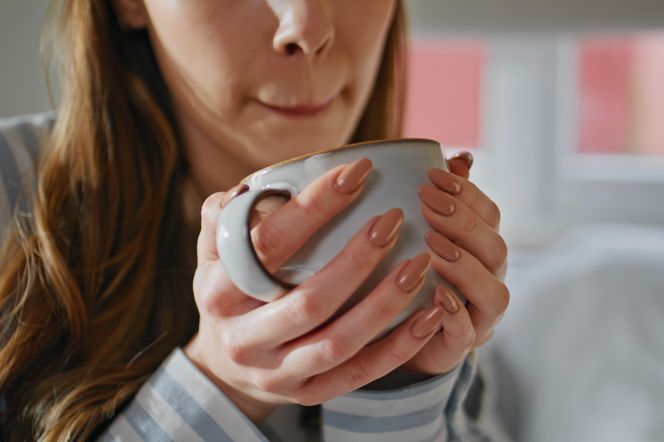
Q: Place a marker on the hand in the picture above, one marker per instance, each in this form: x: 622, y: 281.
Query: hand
x: 467, y: 251
x: 289, y: 351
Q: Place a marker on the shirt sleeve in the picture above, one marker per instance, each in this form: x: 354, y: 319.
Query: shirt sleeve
x: 179, y: 403
x: 430, y: 410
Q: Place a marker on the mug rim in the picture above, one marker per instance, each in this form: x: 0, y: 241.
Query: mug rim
x: 335, y: 149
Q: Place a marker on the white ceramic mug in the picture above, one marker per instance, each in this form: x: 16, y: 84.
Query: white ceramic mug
x: 399, y: 168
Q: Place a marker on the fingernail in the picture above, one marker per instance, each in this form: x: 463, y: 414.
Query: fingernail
x: 445, y: 180
x: 238, y: 190
x: 411, y: 275
x: 385, y: 227
x: 233, y: 192
x: 439, y: 201
x: 467, y: 157
x: 442, y: 246
x: 350, y: 179
x: 427, y: 323
x: 447, y: 299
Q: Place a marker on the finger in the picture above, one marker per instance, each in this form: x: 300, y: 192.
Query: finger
x: 234, y: 191
x: 345, y: 336
x: 454, y: 220
x: 373, y: 361
x: 266, y: 207
x: 320, y: 296
x: 487, y: 296
x: 206, y: 245
x: 460, y: 164
x: 283, y: 232
x: 457, y: 335
x: 481, y: 340
x: 468, y: 193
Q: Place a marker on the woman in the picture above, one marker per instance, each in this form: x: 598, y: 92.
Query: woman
x: 164, y: 105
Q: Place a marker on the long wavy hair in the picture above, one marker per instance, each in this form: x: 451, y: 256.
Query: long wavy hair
x: 95, y: 285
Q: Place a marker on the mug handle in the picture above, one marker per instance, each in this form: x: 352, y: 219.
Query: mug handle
x: 237, y: 253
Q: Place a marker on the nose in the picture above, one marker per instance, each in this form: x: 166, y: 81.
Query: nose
x: 305, y: 27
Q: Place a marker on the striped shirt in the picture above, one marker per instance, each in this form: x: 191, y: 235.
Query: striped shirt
x: 180, y: 403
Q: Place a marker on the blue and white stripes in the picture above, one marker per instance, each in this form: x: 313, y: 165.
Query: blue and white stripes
x: 180, y: 403
x: 413, y: 413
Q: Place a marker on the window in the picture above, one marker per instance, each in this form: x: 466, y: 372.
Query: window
x: 621, y: 94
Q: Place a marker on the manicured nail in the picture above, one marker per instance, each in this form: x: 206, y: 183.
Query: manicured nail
x: 445, y: 180
x: 352, y: 177
x: 467, y: 157
x: 442, y: 246
x: 411, y: 275
x: 439, y: 201
x: 428, y: 322
x: 385, y: 227
x: 233, y: 192
x: 447, y: 299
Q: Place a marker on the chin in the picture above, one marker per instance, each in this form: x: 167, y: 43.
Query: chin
x: 293, y: 145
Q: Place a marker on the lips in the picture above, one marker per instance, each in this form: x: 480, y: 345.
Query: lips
x: 299, y: 110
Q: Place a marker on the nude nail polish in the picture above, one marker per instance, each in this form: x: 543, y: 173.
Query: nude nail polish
x: 445, y: 181
x: 447, y: 299
x: 411, y: 275
x: 385, y: 227
x: 442, y: 246
x: 428, y: 322
x: 233, y: 192
x: 437, y: 200
x: 467, y: 157
x: 350, y: 179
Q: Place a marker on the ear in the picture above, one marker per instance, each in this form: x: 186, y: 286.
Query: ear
x: 131, y: 14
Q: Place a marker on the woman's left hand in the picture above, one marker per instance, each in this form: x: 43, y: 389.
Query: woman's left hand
x: 467, y: 251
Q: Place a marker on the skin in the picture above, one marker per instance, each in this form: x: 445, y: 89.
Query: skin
x: 303, y: 52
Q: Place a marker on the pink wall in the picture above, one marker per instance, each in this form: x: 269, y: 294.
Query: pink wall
x: 445, y: 91
x: 621, y: 94
x: 620, y: 100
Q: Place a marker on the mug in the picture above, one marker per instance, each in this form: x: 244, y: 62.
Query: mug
x: 399, y: 167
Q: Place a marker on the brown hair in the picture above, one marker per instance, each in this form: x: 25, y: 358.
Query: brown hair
x: 95, y: 287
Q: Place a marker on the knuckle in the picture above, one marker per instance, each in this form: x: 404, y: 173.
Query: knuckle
x: 315, y: 203
x: 330, y: 351
x: 307, y: 396
x: 386, y: 310
x: 304, y: 310
x: 503, y: 297
x: 236, y: 350
x: 473, y: 195
x: 499, y: 257
x: 473, y: 271
x: 358, y: 260
x: 470, y: 223
x: 267, y: 383
x: 470, y: 335
x: 268, y: 239
x: 211, y: 206
x: 207, y: 295
x: 495, y: 215
x: 399, y: 352
x: 359, y: 375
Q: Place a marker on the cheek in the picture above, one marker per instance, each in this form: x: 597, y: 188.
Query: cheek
x: 194, y: 46
x: 362, y: 31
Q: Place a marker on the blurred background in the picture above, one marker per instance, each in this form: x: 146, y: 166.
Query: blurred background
x: 562, y: 105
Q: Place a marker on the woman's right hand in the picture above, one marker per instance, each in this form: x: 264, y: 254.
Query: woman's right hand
x: 265, y: 354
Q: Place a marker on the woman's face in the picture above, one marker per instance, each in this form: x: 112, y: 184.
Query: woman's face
x: 269, y: 79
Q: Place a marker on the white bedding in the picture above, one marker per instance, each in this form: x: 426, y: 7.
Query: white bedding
x: 584, y: 338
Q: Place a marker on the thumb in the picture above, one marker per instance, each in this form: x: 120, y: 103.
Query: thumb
x: 207, y: 239
x: 461, y: 163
